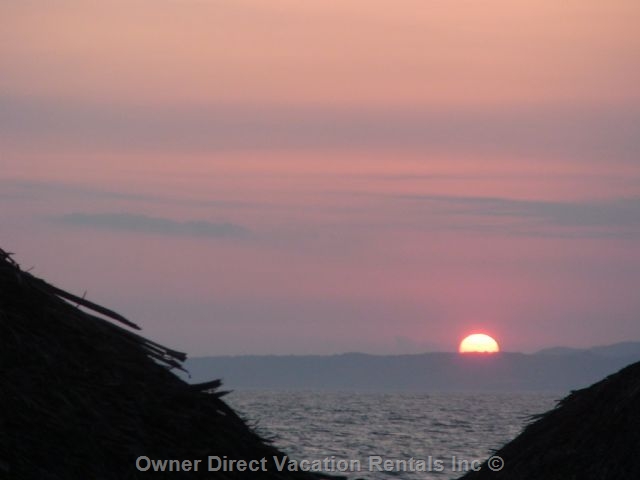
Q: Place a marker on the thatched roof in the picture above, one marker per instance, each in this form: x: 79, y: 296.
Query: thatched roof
x: 593, y: 434
x: 82, y: 395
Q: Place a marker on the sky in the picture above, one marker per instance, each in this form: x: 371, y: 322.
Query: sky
x: 318, y: 177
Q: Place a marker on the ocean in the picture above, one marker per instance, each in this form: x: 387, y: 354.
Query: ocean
x: 388, y: 435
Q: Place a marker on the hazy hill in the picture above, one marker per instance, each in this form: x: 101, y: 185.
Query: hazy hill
x: 622, y: 349
x: 555, y: 369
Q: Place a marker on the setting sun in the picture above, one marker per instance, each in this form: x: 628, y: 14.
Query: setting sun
x: 478, y: 342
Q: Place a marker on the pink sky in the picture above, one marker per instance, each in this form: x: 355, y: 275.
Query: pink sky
x: 319, y: 177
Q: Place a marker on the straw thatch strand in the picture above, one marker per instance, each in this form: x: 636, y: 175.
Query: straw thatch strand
x: 592, y: 434
x: 82, y: 397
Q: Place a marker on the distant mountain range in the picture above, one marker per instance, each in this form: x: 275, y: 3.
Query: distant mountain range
x: 558, y: 369
x: 622, y: 349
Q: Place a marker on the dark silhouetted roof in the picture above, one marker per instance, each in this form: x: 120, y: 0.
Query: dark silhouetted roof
x: 593, y: 434
x: 83, y: 395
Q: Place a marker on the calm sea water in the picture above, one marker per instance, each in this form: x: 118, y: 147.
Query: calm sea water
x: 358, y: 432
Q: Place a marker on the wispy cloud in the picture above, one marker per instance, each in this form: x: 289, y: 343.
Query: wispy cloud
x: 158, y: 225
x: 44, y: 190
x: 601, y: 134
x: 18, y: 189
x: 618, y: 217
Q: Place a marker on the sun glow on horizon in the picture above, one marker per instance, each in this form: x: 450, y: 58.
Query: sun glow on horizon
x: 478, y: 343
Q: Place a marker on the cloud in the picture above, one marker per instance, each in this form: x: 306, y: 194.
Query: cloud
x: 158, y: 225
x: 614, y: 212
x: 19, y: 189
x: 617, y: 218
x: 44, y: 190
x: 582, y: 133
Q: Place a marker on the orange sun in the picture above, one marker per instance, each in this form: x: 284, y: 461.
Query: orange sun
x: 478, y: 342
